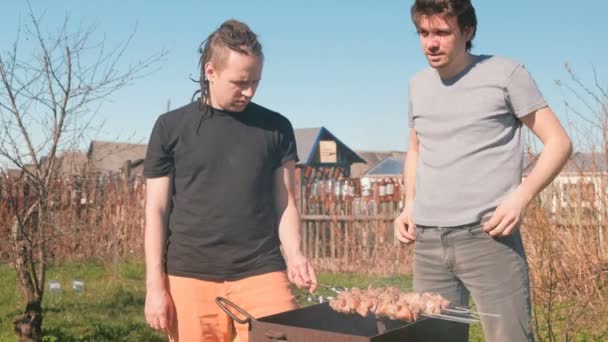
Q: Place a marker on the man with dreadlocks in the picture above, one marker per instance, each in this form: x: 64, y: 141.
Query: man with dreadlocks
x: 464, y: 197
x: 219, y: 201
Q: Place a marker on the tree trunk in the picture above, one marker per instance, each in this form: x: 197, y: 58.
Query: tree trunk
x: 28, y: 326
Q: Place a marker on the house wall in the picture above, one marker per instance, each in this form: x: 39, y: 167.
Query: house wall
x: 576, y: 191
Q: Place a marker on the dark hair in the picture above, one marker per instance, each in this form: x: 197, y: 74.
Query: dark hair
x: 463, y: 10
x: 231, y: 34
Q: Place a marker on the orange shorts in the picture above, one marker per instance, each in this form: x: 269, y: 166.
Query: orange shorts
x: 199, y: 318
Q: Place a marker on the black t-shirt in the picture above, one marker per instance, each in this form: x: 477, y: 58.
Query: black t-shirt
x: 222, y: 224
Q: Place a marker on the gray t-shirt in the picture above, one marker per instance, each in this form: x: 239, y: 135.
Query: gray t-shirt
x: 471, y: 146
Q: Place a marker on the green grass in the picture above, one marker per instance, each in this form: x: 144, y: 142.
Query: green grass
x: 111, y: 306
x: 109, y: 309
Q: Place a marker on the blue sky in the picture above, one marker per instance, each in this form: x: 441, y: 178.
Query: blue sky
x: 339, y: 64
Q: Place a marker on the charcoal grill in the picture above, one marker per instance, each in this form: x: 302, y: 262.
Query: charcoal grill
x: 320, y: 323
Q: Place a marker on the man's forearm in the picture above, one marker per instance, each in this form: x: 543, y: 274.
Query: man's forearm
x: 289, y: 231
x: 409, y: 175
x: 154, y: 244
x: 552, y: 159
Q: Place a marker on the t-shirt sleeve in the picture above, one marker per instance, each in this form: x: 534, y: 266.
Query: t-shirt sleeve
x: 287, y: 149
x: 410, y: 111
x: 522, y: 93
x: 159, y: 157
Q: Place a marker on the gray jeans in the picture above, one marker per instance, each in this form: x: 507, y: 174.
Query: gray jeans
x: 456, y: 261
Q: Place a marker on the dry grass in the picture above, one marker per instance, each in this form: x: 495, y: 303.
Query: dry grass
x: 569, y: 273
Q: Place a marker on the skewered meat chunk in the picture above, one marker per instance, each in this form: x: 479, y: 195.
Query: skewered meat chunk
x: 415, y: 309
x: 366, y: 305
x: 389, y: 302
x: 433, y: 304
x: 405, y: 313
x: 338, y: 304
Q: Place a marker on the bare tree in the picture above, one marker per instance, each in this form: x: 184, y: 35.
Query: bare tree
x: 565, y: 230
x: 48, y: 100
x: 589, y: 104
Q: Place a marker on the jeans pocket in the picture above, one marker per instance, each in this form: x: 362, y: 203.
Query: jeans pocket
x: 477, y: 231
x: 419, y: 233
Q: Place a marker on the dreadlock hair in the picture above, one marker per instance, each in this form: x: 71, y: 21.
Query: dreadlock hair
x: 463, y: 10
x: 231, y: 34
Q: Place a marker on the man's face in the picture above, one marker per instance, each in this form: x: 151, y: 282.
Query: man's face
x: 234, y: 80
x: 442, y: 41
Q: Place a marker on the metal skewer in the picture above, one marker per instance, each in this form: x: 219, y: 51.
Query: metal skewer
x: 333, y: 288
x: 452, y: 318
x: 460, y: 310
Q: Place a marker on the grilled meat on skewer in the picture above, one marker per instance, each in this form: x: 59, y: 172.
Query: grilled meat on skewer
x: 389, y: 302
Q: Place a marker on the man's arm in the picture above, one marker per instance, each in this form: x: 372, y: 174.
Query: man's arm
x: 557, y: 148
x: 159, y: 306
x: 409, y: 170
x: 404, y: 226
x: 299, y: 269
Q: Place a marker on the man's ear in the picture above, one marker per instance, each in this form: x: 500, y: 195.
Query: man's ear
x: 209, y: 71
x: 469, y: 31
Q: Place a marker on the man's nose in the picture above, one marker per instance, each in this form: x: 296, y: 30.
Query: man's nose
x: 431, y: 42
x: 248, y: 91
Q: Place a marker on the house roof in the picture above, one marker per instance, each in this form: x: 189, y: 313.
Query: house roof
x: 12, y: 173
x: 307, y: 141
x: 372, y: 158
x: 579, y: 162
x: 72, y: 162
x: 392, y: 164
x: 110, y: 156
x: 388, y: 167
x: 586, y: 162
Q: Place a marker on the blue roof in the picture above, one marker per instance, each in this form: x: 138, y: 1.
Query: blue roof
x: 388, y: 166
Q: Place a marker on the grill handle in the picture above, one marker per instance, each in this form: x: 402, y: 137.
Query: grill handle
x: 275, y: 335
x: 224, y: 303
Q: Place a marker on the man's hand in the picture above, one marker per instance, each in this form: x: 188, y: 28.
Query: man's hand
x: 404, y: 226
x: 159, y: 310
x: 301, y: 273
x: 507, y: 216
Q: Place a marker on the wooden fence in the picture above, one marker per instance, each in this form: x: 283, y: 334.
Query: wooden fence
x: 103, y: 217
x: 348, y: 226
x: 90, y: 217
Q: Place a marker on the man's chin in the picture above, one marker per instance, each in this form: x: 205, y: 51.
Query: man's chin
x: 437, y: 64
x: 238, y: 107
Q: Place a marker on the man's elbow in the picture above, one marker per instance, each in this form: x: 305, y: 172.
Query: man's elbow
x: 570, y: 149
x: 155, y: 211
x: 567, y: 146
x: 561, y: 145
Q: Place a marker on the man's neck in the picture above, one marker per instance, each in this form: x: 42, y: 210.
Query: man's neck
x: 449, y: 71
x: 209, y: 103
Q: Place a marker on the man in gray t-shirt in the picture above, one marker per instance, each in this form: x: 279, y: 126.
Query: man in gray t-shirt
x: 464, y: 194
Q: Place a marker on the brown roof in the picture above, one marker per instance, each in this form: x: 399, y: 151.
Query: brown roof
x: 108, y: 156
x: 72, y: 163
x: 12, y: 173
x: 586, y: 162
x: 579, y: 163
